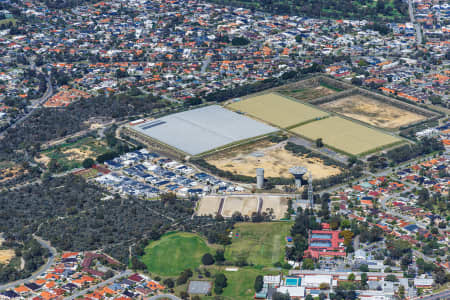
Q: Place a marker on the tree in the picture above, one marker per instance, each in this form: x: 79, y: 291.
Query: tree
x: 220, y: 256
x: 351, y: 277
x: 364, y: 268
x: 88, y: 163
x: 319, y: 143
x: 259, y: 282
x: 169, y: 283
x: 220, y: 283
x: 308, y: 264
x: 356, y: 81
x: 280, y: 296
x: 391, y: 277
x: 298, y: 38
x: 363, y: 279
x: 240, y: 41
x: 207, y: 259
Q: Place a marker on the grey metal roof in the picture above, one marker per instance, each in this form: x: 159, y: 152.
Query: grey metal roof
x: 203, y: 129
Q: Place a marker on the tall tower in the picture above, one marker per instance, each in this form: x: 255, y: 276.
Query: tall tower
x: 298, y: 173
x: 259, y: 178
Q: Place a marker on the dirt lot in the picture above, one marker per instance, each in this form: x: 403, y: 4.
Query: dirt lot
x: 6, y: 256
x: 245, y: 204
x: 307, y: 94
x: 275, y: 160
x: 373, y: 112
x: 278, y: 110
x: 209, y: 205
x: 345, y: 135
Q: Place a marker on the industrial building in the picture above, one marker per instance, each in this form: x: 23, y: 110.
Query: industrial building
x: 200, y: 130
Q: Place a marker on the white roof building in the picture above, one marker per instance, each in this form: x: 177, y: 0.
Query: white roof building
x: 314, y: 281
x: 293, y: 291
x: 272, y: 279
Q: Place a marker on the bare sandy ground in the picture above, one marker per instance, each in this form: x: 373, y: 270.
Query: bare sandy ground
x: 276, y: 161
x: 373, y: 112
x: 245, y: 204
x: 208, y: 205
x: 6, y: 256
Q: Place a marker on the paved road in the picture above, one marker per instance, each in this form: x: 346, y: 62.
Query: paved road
x: 439, y: 296
x: 39, y: 272
x: 48, y: 93
x: 205, y: 64
x: 101, y: 284
x: 172, y: 297
x: 417, y: 27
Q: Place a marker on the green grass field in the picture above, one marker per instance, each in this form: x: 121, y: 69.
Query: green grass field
x: 72, y: 155
x: 346, y: 136
x: 175, y: 252
x: 278, y: 110
x: 262, y: 243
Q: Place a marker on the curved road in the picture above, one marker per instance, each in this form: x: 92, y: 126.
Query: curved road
x: 41, y: 270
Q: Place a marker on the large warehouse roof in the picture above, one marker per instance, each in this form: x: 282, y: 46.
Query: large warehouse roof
x: 203, y: 129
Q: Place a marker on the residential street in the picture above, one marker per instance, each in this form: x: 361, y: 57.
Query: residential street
x: 41, y: 270
x: 103, y: 283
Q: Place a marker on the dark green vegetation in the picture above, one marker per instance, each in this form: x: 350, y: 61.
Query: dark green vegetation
x: 31, y: 252
x: 73, y: 216
x: 47, y: 124
x: 404, y: 153
x: 382, y: 10
x: 243, y: 90
x: 174, y: 253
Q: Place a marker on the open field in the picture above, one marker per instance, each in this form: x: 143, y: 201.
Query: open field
x: 174, y: 252
x: 72, y: 155
x: 262, y: 243
x: 345, y: 135
x: 309, y: 93
x: 6, y: 256
x: 275, y: 160
x: 373, y: 112
x: 245, y: 204
x: 278, y: 110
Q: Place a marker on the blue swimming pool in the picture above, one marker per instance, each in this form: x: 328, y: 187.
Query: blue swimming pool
x: 293, y: 281
x: 324, y: 236
x: 321, y: 244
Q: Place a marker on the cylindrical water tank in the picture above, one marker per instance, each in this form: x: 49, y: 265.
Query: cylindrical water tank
x: 259, y: 178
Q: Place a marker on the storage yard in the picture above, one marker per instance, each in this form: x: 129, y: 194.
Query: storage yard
x: 373, y: 112
x: 278, y: 110
x: 201, y: 130
x: 346, y: 136
x: 275, y: 160
x: 226, y: 205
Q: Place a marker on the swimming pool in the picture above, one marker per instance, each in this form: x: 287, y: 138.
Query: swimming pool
x: 325, y: 236
x: 321, y: 244
x: 292, y: 281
